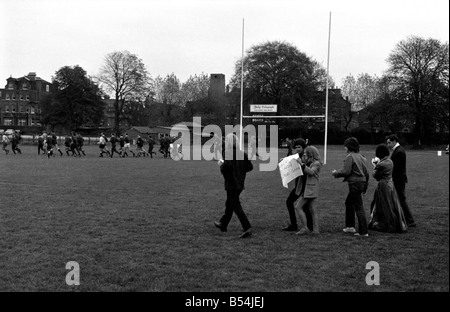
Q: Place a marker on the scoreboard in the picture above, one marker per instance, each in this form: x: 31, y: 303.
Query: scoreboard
x: 259, y: 111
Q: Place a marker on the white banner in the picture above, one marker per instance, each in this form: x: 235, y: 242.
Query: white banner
x: 289, y: 169
x: 263, y: 108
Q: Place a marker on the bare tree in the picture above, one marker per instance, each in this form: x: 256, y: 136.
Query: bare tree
x: 421, y: 68
x: 195, y: 88
x: 360, y: 92
x: 168, y: 90
x: 124, y: 75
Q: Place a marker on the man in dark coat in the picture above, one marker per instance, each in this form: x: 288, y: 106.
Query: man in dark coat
x: 399, y: 177
x: 234, y: 169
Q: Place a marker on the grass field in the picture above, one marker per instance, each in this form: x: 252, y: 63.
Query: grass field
x: 141, y: 224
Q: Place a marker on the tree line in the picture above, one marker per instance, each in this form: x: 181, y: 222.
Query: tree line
x: 413, y: 90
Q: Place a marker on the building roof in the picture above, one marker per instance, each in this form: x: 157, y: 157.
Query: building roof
x: 188, y: 124
x: 28, y: 77
x: 143, y: 130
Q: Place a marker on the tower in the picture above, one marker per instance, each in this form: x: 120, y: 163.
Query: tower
x: 216, y: 86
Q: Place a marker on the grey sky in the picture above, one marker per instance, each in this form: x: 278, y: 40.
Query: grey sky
x: 205, y: 36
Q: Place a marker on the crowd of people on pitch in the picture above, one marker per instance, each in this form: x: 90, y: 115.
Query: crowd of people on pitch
x: 389, y: 211
x: 121, y: 145
x: 47, y: 144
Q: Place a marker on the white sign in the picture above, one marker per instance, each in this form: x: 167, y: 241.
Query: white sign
x: 263, y: 108
x: 289, y: 169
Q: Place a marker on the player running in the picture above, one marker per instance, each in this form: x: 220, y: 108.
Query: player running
x: 102, y: 145
x: 80, y: 144
x: 140, y: 147
x: 128, y: 145
x: 5, y: 142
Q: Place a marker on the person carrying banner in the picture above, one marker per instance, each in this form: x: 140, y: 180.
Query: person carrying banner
x: 299, y: 146
x: 309, y: 190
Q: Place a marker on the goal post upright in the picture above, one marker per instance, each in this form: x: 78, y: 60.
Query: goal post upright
x: 242, y: 89
x: 326, y: 95
x: 302, y: 116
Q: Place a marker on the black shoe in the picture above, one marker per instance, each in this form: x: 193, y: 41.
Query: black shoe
x: 412, y: 224
x: 293, y: 228
x: 247, y: 233
x: 220, y: 226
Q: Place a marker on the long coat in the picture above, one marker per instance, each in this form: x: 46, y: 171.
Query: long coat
x: 398, y: 157
x: 386, y: 214
x: 312, y: 180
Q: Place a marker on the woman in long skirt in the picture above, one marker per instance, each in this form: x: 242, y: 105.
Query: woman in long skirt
x: 386, y: 213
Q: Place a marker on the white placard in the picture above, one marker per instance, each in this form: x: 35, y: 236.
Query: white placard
x: 263, y: 108
x: 289, y: 169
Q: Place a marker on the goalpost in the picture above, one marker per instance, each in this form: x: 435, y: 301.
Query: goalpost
x: 302, y: 116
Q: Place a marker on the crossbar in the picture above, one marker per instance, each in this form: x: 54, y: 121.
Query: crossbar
x: 259, y: 117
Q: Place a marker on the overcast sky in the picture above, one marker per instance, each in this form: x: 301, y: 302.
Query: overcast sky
x: 188, y: 37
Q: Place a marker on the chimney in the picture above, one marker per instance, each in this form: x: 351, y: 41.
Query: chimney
x: 32, y: 76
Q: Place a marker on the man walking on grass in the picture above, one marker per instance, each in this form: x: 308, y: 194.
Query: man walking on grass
x: 399, y: 177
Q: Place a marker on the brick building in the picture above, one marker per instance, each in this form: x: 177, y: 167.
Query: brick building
x: 340, y: 112
x: 20, y: 107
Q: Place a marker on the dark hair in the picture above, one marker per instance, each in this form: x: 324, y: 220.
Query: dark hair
x: 392, y: 137
x: 381, y: 151
x: 300, y: 142
x: 352, y: 144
